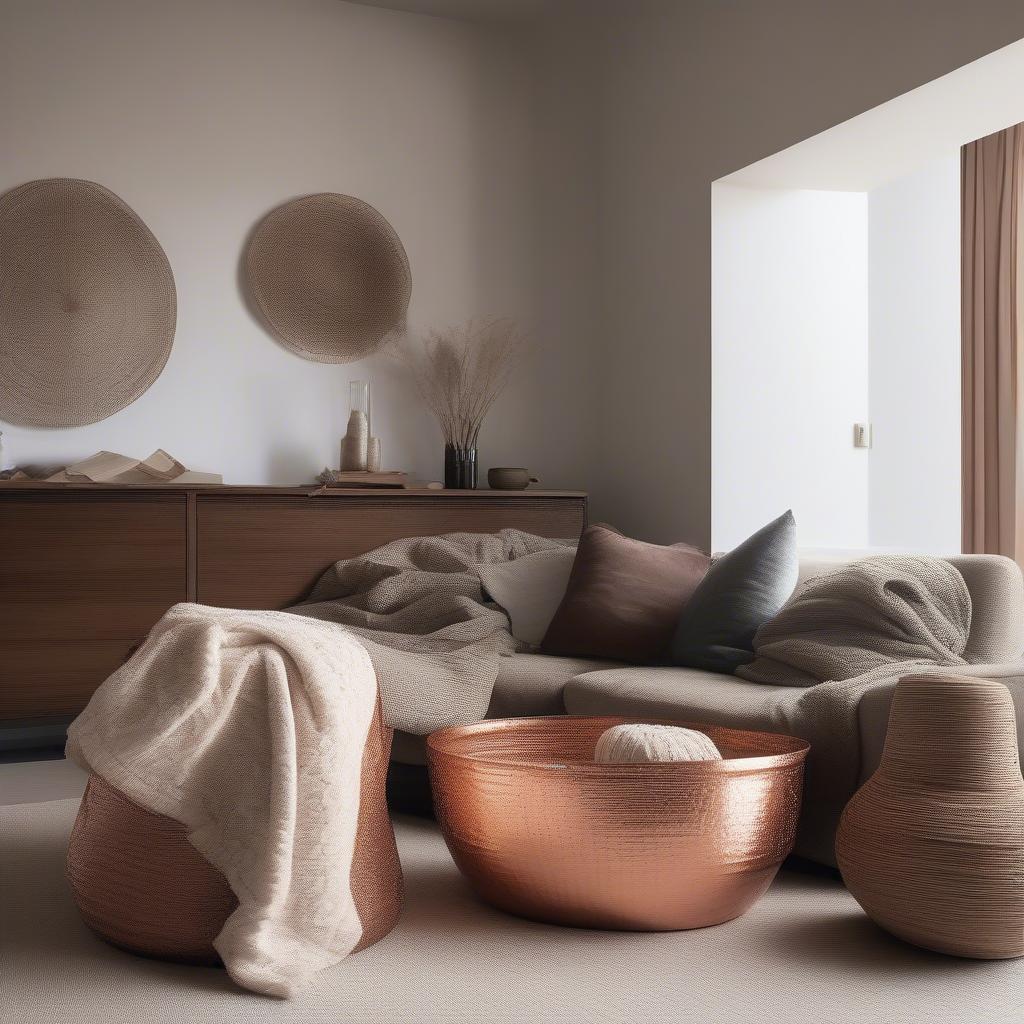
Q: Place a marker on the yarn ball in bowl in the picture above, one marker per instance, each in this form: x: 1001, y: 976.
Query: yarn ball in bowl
x: 641, y: 743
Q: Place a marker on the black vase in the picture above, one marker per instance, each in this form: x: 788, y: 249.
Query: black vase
x: 459, y: 468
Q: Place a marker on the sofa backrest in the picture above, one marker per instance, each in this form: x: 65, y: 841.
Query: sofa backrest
x: 996, y: 587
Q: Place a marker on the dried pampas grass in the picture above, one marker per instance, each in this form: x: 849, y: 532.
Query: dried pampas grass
x: 460, y: 371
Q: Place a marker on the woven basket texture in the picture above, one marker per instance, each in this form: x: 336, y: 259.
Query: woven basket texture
x: 932, y: 845
x: 141, y: 885
x: 87, y: 304
x: 329, y: 277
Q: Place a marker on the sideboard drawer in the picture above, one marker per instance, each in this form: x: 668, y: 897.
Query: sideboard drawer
x: 267, y: 552
x: 89, y: 566
x: 39, y: 678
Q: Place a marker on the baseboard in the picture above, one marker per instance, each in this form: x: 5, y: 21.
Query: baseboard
x: 31, y: 734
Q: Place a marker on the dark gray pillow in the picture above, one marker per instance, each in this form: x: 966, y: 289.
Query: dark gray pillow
x: 741, y: 591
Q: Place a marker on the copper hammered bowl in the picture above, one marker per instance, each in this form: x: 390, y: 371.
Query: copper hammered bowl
x: 542, y: 831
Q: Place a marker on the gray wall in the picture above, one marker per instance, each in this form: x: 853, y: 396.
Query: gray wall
x: 691, y: 92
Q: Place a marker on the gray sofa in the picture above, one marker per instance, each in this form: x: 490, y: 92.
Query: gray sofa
x: 537, y: 684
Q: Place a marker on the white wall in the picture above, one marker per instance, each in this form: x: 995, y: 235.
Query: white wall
x: 789, y: 363
x: 914, y: 284
x: 205, y: 114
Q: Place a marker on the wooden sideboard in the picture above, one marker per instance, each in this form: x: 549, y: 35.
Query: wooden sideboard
x: 85, y: 570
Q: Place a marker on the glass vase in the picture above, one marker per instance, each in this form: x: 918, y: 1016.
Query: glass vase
x: 353, y: 445
x: 459, y: 468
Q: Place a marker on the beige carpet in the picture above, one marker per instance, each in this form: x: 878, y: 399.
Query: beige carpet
x: 805, y: 953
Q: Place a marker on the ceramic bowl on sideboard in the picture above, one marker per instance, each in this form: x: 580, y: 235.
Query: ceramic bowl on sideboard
x: 509, y: 478
x: 542, y: 831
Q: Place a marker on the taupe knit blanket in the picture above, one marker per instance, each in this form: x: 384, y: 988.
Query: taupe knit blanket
x: 418, y: 607
x: 249, y: 727
x: 862, y: 625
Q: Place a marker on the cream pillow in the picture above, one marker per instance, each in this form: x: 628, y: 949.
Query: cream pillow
x: 530, y: 589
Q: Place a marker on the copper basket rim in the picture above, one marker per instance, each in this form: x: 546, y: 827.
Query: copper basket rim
x: 793, y: 750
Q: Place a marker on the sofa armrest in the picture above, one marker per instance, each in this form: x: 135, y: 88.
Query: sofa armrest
x: 873, y: 723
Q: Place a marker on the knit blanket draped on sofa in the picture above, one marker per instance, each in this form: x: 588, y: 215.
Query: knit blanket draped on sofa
x: 248, y: 727
x: 860, y: 626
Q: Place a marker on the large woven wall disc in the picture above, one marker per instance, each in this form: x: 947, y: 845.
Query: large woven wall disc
x: 329, y: 276
x: 87, y: 304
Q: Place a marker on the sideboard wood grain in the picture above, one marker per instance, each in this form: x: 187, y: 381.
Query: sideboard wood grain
x: 49, y: 678
x: 83, y: 577
x: 86, y: 569
x: 267, y: 552
x: 82, y: 565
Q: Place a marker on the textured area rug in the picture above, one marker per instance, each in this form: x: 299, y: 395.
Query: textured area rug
x: 804, y: 953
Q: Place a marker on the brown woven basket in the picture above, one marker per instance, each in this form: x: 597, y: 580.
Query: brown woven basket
x: 87, y: 304
x: 329, y: 276
x: 932, y: 845
x: 141, y: 885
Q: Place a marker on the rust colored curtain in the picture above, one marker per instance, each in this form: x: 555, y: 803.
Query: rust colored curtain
x: 992, y: 177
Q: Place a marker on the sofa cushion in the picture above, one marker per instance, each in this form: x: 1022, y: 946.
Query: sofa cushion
x: 532, y: 684
x: 742, y: 590
x: 527, y: 684
x: 624, y: 597
x: 530, y: 589
x: 688, y: 694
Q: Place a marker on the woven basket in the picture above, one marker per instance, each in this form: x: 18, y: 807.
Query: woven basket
x: 87, y: 304
x: 141, y: 885
x: 329, y: 276
x: 932, y: 845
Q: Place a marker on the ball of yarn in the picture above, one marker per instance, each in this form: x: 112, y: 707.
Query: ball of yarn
x: 640, y: 743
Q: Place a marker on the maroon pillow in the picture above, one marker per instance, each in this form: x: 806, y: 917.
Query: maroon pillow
x: 624, y: 597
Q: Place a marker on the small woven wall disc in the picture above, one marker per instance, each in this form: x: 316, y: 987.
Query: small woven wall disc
x: 87, y: 304
x: 329, y: 276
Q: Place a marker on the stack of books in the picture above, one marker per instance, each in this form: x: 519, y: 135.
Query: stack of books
x: 361, y: 478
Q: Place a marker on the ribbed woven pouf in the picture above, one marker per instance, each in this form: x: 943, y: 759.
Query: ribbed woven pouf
x: 642, y: 743
x: 141, y: 885
x: 932, y: 845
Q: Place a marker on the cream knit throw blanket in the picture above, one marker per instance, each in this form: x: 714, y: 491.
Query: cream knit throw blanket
x: 248, y: 727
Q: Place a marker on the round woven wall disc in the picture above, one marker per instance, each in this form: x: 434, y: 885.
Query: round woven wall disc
x: 329, y: 276
x: 87, y: 304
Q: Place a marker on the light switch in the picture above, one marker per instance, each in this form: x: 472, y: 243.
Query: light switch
x: 862, y: 435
